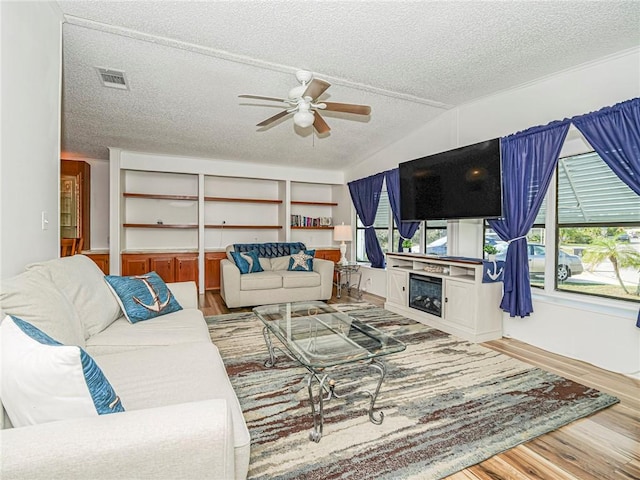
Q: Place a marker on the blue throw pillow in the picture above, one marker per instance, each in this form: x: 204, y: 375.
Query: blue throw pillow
x: 142, y: 297
x: 247, y: 262
x: 302, y: 261
x: 46, y: 381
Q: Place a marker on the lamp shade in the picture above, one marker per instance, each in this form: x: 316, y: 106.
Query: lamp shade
x: 304, y: 118
x: 342, y: 233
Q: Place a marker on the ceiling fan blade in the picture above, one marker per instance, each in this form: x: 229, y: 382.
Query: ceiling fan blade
x: 258, y: 97
x: 319, y: 124
x: 270, y: 120
x: 315, y: 89
x: 348, y: 108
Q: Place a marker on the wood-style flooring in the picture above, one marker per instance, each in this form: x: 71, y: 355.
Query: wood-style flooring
x: 603, y: 446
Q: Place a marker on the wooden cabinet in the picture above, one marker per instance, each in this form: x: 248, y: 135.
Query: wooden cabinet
x: 397, y: 282
x: 212, y: 270
x: 137, y: 264
x: 457, y: 296
x: 186, y: 268
x: 100, y: 259
x: 171, y: 267
x: 470, y: 308
x: 332, y: 255
x: 75, y: 201
x: 329, y: 254
x: 164, y: 266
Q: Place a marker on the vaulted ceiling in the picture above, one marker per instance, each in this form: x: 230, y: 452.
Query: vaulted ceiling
x: 187, y: 62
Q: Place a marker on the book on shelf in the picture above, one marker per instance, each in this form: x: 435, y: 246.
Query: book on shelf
x: 302, y: 221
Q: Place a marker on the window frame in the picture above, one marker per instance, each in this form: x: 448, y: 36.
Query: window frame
x: 550, y: 288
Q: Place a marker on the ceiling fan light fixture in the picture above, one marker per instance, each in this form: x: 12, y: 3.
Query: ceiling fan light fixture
x: 303, y: 118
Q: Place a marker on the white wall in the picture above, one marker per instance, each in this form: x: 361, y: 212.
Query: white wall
x: 602, y: 333
x: 99, y: 204
x: 30, y: 163
x: 573, y: 92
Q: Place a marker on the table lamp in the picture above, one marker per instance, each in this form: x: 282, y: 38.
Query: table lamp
x: 342, y: 233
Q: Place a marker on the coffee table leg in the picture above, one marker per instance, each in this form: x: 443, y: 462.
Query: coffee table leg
x: 318, y: 417
x: 379, y: 366
x: 271, y: 361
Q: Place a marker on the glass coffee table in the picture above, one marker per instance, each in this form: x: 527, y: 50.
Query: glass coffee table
x: 333, y: 347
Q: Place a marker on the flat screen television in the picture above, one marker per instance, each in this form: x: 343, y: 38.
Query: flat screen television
x: 461, y: 183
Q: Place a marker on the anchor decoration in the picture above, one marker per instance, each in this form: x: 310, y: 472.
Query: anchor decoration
x: 494, y: 274
x: 157, y: 306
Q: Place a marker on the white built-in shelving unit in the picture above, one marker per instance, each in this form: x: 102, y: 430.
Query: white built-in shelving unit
x: 159, y: 211
x: 171, y: 204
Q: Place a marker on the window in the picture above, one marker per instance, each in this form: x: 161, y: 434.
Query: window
x: 412, y: 245
x: 598, y: 222
x: 381, y: 226
x: 388, y: 235
x: 435, y: 237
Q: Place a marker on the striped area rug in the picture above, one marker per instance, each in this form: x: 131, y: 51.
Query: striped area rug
x: 448, y: 404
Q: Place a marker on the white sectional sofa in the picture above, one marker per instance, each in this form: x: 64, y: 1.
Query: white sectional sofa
x: 182, y: 418
x: 276, y: 283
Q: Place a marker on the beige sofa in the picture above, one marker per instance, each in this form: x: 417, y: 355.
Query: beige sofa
x: 275, y: 284
x: 182, y: 418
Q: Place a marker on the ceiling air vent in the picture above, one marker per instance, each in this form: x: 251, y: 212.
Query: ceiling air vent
x: 112, y: 78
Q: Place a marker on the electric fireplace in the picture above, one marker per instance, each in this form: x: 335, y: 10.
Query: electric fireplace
x: 425, y: 293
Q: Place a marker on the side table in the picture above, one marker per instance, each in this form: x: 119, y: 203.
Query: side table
x: 344, y: 278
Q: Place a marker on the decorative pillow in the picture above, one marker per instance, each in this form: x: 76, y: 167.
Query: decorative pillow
x: 45, y: 381
x: 142, y: 297
x: 247, y: 262
x: 302, y: 261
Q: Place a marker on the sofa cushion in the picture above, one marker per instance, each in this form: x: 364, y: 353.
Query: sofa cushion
x: 261, y: 281
x: 82, y: 282
x: 247, y: 262
x: 171, y: 375
x: 265, y: 263
x: 302, y: 261
x: 296, y: 279
x: 43, y: 381
x: 34, y: 298
x: 185, y: 326
x: 280, y: 263
x: 142, y: 297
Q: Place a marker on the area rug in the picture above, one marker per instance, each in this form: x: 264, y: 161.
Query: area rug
x: 448, y: 404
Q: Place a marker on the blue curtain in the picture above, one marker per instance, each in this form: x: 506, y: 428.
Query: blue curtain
x: 407, y: 229
x: 365, y: 194
x: 614, y: 132
x: 529, y: 159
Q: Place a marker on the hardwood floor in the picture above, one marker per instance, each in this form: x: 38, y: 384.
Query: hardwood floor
x: 604, y: 446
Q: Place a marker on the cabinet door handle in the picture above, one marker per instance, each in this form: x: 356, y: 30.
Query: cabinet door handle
x: 403, y: 289
x: 446, y: 299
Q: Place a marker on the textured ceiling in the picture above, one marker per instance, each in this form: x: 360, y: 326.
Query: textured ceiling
x: 187, y: 62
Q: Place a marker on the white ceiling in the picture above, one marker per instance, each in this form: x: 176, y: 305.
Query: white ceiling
x: 187, y: 62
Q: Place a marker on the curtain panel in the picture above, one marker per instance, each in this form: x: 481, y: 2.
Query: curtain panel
x: 365, y: 194
x: 614, y: 133
x: 529, y: 159
x: 407, y: 229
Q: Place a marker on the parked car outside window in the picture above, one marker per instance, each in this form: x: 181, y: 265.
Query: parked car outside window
x: 568, y: 265
x: 439, y: 246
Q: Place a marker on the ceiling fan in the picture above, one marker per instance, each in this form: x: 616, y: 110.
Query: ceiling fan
x: 303, y: 102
